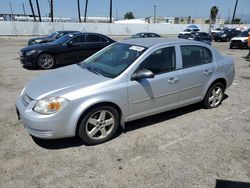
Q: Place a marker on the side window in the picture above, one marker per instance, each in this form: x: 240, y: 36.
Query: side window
x: 162, y: 60
x: 195, y: 55
x: 78, y: 39
x: 93, y: 38
x: 103, y: 39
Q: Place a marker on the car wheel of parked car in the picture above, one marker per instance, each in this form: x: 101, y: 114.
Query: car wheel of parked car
x: 46, y: 61
x: 214, y: 96
x: 228, y: 39
x: 99, y: 125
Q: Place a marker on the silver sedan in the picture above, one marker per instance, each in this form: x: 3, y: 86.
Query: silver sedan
x: 125, y: 81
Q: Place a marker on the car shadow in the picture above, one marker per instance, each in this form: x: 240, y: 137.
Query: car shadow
x: 34, y: 68
x: 231, y: 184
x: 56, y: 144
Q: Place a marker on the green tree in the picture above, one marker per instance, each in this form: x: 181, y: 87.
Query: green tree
x: 129, y: 15
x: 236, y: 21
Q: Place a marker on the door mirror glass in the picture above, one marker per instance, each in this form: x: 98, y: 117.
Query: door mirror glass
x: 144, y: 73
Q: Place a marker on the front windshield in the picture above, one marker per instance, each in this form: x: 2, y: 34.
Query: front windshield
x: 63, y: 39
x: 113, y: 60
x: 53, y: 35
x: 243, y: 34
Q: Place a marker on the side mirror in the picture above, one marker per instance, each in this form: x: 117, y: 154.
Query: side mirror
x: 144, y: 73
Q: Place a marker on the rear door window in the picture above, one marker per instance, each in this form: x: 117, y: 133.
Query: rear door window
x: 93, y: 38
x: 195, y: 55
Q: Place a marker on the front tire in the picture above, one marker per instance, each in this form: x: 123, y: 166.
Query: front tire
x: 46, y: 61
x: 99, y: 125
x: 214, y: 96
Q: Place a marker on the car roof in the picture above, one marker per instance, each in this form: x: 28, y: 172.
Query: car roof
x: 149, y: 42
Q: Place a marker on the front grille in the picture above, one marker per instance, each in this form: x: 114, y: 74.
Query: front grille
x: 26, y: 100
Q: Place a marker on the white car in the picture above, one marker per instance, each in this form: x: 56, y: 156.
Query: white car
x: 239, y: 41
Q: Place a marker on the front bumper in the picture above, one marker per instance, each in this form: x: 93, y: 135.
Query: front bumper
x: 28, y: 60
x: 53, y: 126
x: 220, y: 38
x: 238, y: 44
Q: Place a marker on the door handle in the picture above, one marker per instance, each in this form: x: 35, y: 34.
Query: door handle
x: 173, y: 80
x: 207, y: 72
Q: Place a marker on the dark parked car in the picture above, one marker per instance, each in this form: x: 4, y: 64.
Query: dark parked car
x: 226, y: 35
x: 198, y: 36
x: 71, y: 48
x: 240, y: 41
x: 54, y: 36
x: 145, y: 35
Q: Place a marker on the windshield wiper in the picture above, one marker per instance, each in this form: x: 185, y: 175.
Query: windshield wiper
x: 92, y: 69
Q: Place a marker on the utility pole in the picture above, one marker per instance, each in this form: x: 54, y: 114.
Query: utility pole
x: 38, y: 9
x: 51, y: 11
x: 32, y: 10
x: 12, y: 16
x: 110, y: 11
x: 235, y: 7
x: 85, y: 13
x: 154, y: 14
x: 23, y: 10
x: 79, y: 11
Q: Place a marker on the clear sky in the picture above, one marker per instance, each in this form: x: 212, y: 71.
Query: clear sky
x: 140, y: 8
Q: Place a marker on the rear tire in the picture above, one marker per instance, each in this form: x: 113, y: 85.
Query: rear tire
x: 98, y: 125
x: 214, y: 96
x: 46, y: 61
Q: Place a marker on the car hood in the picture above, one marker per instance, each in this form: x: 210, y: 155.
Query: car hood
x: 61, y: 81
x: 38, y: 47
x: 42, y: 38
x: 239, y: 38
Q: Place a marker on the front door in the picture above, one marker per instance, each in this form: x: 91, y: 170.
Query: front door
x: 154, y: 95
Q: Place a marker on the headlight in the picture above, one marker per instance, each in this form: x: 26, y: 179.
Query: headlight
x: 50, y: 105
x: 22, y: 91
x: 30, y: 52
x: 224, y: 35
x: 37, y: 41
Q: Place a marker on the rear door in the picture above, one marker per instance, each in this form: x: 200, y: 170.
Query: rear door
x: 197, y: 70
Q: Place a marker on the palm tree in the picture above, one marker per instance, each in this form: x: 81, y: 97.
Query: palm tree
x: 110, y: 11
x: 85, y: 13
x: 213, y: 13
x: 32, y: 9
x: 38, y: 9
x: 79, y: 12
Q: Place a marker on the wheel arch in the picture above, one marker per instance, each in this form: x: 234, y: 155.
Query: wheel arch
x: 95, y: 105
x: 217, y: 80
x: 45, y: 52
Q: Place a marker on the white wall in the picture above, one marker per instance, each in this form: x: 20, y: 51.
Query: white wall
x: 45, y: 28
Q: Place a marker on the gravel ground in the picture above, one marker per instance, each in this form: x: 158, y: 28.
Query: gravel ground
x: 188, y: 147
